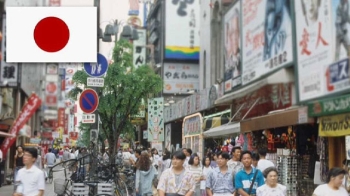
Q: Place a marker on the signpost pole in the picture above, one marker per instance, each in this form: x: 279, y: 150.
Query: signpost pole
x: 94, y: 149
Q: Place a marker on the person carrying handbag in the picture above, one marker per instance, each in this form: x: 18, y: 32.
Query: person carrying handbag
x: 248, y: 179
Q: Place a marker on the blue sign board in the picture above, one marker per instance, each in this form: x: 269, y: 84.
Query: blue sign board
x: 97, y: 69
x: 88, y: 101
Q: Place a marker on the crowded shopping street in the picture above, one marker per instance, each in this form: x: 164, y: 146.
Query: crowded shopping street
x: 174, y: 98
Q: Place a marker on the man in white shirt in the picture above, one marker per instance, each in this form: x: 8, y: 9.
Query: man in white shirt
x: 30, y: 179
x: 263, y: 163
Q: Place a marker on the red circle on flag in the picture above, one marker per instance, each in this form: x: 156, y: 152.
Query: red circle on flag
x: 51, y: 34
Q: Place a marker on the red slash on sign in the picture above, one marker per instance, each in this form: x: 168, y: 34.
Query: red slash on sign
x: 88, y: 101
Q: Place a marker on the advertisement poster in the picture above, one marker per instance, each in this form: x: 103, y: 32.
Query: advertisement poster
x: 314, y: 51
x: 155, y: 120
x: 182, y: 30
x: 232, y: 55
x: 323, y: 47
x: 267, y: 37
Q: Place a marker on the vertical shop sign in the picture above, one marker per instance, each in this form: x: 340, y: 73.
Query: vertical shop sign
x: 155, y: 119
x: 139, y: 52
x: 66, y: 123
x: 267, y: 37
x: 8, y: 71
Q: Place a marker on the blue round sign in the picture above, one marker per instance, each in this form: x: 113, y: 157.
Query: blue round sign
x: 97, y: 69
x: 88, y: 101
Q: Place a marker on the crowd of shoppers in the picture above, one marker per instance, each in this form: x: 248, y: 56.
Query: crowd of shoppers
x: 238, y: 173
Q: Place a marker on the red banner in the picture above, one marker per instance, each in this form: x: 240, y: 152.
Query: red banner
x: 26, y: 113
x: 65, y: 124
x: 60, y: 117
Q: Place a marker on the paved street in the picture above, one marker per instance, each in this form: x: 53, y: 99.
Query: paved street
x: 7, y: 190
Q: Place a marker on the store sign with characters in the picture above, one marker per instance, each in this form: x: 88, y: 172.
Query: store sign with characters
x: 181, y: 78
x: 334, y: 126
x: 329, y: 106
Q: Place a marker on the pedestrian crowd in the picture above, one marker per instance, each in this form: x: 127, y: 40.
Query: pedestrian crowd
x: 238, y: 173
x: 182, y: 173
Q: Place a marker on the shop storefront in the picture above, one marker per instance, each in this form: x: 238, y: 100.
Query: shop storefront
x: 290, y: 137
x: 333, y: 117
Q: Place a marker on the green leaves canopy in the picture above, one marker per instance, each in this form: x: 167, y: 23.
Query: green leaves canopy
x: 124, y: 88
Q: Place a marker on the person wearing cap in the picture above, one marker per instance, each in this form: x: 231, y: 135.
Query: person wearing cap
x: 30, y: 179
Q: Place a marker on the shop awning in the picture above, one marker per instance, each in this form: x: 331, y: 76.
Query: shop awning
x: 280, y: 118
x: 226, y: 129
x: 281, y: 76
x: 213, y: 122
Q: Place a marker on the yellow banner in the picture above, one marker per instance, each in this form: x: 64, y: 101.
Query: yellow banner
x: 334, y: 126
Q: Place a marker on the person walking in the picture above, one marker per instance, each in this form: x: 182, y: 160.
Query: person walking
x: 49, y: 161
x: 18, y: 163
x: 166, y: 163
x: 207, y: 168
x: 176, y: 180
x: 30, y: 179
x: 65, y: 156
x: 60, y: 154
x: 334, y: 184
x: 248, y: 179
x: 263, y: 163
x: 196, y: 170
x: 219, y: 181
x: 188, y: 153
x: 271, y: 186
x: 145, y: 173
x: 234, y: 164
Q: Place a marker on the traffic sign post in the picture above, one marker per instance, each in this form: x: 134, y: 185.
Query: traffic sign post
x: 88, y: 118
x: 95, y: 82
x: 97, y: 69
x: 88, y: 101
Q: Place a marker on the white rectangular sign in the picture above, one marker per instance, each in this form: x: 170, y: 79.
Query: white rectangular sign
x: 95, y: 82
x: 88, y: 118
x: 181, y: 78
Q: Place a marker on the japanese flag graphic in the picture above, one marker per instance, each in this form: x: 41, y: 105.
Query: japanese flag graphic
x: 51, y: 34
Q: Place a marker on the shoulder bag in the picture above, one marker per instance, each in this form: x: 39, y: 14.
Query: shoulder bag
x: 252, y: 184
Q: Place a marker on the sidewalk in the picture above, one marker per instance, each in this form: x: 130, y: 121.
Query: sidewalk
x: 7, y: 190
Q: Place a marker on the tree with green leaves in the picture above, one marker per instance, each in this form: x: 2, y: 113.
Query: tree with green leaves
x: 84, y: 137
x: 124, y: 88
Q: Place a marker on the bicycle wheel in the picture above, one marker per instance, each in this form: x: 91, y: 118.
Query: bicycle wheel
x: 50, y: 176
x: 121, y: 188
